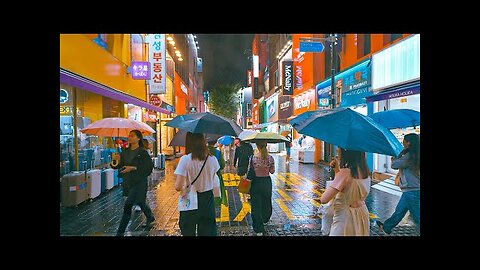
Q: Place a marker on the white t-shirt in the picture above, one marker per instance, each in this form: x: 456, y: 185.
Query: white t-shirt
x: 190, y: 169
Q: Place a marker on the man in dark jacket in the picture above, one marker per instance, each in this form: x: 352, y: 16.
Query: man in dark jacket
x: 243, y: 151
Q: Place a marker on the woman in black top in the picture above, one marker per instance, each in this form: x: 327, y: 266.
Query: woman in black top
x: 135, y: 166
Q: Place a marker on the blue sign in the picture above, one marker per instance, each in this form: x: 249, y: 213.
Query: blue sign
x: 311, y: 47
x: 199, y: 64
x: 323, y: 93
x: 354, y: 84
x: 63, y: 96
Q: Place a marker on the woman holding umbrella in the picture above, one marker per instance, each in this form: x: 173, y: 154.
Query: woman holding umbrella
x: 135, y: 166
x: 349, y: 190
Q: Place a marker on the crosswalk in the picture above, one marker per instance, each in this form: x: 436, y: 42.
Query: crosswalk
x: 389, y: 187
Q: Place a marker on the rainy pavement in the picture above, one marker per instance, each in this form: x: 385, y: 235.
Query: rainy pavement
x: 297, y: 189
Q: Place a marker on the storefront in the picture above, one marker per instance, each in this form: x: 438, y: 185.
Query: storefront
x: 323, y: 90
x: 271, y: 111
x: 396, y: 85
x: 352, y: 87
x: 305, y: 150
x: 92, y: 102
x: 285, y: 111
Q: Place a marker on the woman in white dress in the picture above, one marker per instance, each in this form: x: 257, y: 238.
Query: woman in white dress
x: 349, y: 190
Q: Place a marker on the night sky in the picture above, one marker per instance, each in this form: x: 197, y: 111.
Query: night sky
x: 223, y: 56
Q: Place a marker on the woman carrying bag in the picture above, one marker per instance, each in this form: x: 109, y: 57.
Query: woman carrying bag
x: 195, y: 175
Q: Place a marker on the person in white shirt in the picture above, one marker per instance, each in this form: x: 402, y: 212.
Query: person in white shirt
x: 201, y: 221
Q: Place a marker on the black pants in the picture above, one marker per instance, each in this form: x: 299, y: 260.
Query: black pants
x: 200, y: 222
x: 127, y: 213
x: 261, y: 201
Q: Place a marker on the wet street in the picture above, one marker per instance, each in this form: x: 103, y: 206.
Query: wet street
x: 297, y: 189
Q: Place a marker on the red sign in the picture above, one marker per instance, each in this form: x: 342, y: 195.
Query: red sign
x: 304, y: 102
x: 155, y: 100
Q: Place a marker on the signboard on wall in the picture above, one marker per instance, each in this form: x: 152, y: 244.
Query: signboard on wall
x: 155, y: 100
x: 140, y: 70
x: 354, y: 84
x: 157, y: 58
x: 323, y: 93
x: 287, y: 77
x: 304, y: 102
x: 285, y: 105
x: 271, y: 104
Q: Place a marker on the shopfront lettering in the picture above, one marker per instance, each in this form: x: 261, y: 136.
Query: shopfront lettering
x: 302, y: 103
x: 357, y: 91
x: 400, y: 94
x: 298, y: 77
x: 284, y: 105
x: 358, y: 85
x: 287, y: 77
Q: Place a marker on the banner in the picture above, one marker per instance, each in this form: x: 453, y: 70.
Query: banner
x: 157, y: 58
x: 287, y: 77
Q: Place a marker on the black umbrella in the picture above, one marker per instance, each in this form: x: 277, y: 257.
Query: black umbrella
x: 205, y: 123
x: 180, y: 138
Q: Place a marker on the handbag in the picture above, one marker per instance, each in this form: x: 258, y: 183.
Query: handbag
x: 189, y: 201
x: 246, y: 182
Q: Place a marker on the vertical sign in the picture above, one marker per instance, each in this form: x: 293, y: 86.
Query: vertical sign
x: 157, y: 58
x: 287, y: 78
x: 249, y: 78
x: 255, y: 77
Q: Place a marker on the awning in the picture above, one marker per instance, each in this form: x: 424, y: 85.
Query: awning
x: 100, y: 89
x: 396, y: 92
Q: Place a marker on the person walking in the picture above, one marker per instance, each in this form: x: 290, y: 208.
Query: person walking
x: 349, y: 190
x: 199, y: 167
x: 261, y: 187
x: 135, y: 166
x: 408, y: 164
x: 243, y: 152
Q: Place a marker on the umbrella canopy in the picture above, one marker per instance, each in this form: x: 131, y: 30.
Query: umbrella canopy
x: 225, y: 140
x: 349, y: 130
x: 245, y: 133
x: 205, y: 123
x: 180, y: 138
x: 399, y: 118
x: 268, y: 137
x: 116, y: 127
x: 149, y: 138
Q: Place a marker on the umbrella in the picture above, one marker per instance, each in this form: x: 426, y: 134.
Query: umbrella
x: 225, y: 140
x: 268, y: 137
x: 205, y: 123
x: 399, y: 118
x: 116, y: 127
x: 180, y: 138
x: 245, y: 133
x: 349, y: 130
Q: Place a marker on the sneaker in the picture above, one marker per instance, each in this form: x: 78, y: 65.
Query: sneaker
x: 137, y: 208
x: 380, y: 226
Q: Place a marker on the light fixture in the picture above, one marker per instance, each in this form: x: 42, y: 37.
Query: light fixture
x: 172, y: 42
x: 198, y: 48
x: 196, y: 42
x: 169, y: 38
x: 194, y: 36
x: 180, y: 59
x: 177, y: 51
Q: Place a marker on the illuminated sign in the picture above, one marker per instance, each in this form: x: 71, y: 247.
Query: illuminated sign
x: 63, y: 96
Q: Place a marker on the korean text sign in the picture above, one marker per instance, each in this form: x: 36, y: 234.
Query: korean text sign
x: 157, y: 58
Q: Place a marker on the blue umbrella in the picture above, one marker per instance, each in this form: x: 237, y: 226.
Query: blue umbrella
x: 205, y: 123
x: 349, y: 130
x: 225, y: 140
x: 399, y: 118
